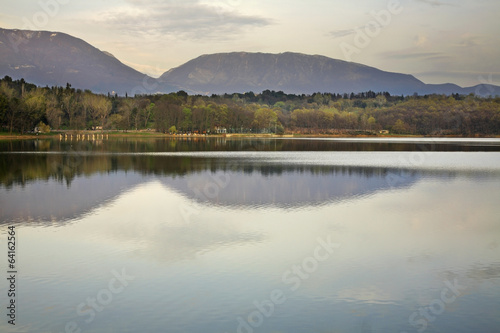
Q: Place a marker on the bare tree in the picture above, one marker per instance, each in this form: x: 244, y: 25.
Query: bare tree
x: 53, y: 112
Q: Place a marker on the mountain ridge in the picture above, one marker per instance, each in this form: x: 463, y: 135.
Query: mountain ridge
x: 198, y: 76
x: 288, y: 71
x: 56, y: 58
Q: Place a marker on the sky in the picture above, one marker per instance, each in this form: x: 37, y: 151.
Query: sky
x: 437, y: 41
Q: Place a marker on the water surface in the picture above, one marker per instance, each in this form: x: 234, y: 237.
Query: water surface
x: 229, y: 235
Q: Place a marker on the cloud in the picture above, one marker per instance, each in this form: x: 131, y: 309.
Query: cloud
x: 341, y: 33
x: 421, y: 40
x: 407, y: 55
x: 180, y: 19
x: 436, y: 3
x: 346, y: 32
x: 468, y: 40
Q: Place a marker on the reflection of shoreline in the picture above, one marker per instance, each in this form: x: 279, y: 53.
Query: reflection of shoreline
x: 248, y: 186
x: 193, y: 144
x: 20, y: 168
x: 43, y: 183
x: 133, y: 134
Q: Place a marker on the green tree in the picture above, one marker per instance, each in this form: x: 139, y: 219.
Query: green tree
x: 4, y: 106
x: 147, y: 113
x: 265, y: 118
x: 399, y: 127
x: 219, y: 115
x: 186, y: 123
x: 43, y: 128
x: 99, y: 107
x: 167, y: 112
x: 53, y: 112
x: 33, y: 109
x: 115, y: 121
x: 371, y: 122
x: 125, y: 109
x: 12, y: 105
x: 70, y: 108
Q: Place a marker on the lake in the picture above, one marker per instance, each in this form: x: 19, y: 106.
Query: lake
x: 219, y: 235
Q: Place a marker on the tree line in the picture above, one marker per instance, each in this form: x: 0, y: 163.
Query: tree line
x: 24, y: 106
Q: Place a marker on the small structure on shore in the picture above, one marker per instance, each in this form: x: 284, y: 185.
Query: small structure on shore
x: 83, y: 136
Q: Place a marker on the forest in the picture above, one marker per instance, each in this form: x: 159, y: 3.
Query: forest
x: 24, y: 107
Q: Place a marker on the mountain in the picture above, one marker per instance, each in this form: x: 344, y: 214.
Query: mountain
x: 54, y: 58
x: 289, y: 72
x: 295, y: 73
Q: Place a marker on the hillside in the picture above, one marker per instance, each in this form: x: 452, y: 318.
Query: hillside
x: 289, y: 72
x: 53, y: 58
x: 296, y: 73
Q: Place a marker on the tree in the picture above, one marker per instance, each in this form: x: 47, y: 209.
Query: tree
x: 115, y: 121
x: 186, y: 122
x: 53, y: 112
x: 167, y: 112
x: 219, y: 115
x: 148, y: 113
x: 104, y: 108
x: 279, y: 105
x: 399, y: 127
x: 4, y: 106
x: 43, y: 128
x: 142, y: 112
x: 33, y: 109
x: 22, y: 105
x: 126, y: 109
x: 98, y: 107
x: 371, y: 122
x: 265, y: 118
x: 69, y: 107
x: 380, y: 101
x: 12, y: 107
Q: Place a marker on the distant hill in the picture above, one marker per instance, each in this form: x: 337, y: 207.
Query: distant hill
x: 295, y: 73
x: 290, y: 72
x: 54, y: 58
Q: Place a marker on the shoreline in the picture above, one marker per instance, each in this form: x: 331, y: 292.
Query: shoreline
x: 138, y: 134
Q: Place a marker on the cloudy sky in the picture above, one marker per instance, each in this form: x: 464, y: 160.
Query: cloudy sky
x: 438, y: 41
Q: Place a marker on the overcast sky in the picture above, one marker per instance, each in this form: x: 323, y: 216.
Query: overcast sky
x: 438, y: 41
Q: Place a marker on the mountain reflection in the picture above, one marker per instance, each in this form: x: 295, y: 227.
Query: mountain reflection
x: 218, y: 230
x: 51, y: 180
x: 287, y: 187
x: 55, y: 187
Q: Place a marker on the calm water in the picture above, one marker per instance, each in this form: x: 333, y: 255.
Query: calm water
x: 222, y: 236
